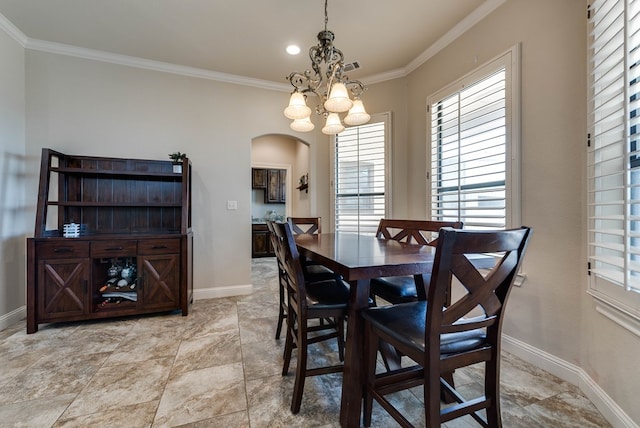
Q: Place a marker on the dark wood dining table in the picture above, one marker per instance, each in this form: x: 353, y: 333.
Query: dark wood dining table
x: 359, y: 258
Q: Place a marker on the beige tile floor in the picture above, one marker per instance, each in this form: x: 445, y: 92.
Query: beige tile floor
x: 218, y: 367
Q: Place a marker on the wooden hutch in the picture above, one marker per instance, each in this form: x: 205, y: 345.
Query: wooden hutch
x: 112, y: 238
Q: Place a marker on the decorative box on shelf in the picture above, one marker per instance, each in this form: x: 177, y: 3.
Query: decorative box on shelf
x: 73, y: 230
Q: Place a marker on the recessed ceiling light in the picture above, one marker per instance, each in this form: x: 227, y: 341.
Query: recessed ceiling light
x: 293, y: 50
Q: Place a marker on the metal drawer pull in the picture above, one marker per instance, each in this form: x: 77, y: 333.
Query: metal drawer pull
x: 158, y: 247
x: 114, y: 249
x: 63, y: 250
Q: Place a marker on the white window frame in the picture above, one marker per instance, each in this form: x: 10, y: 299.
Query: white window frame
x: 613, y: 298
x: 379, y: 117
x: 510, y: 60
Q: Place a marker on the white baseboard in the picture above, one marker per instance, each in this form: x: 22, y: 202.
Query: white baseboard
x: 217, y: 292
x: 572, y: 374
x: 13, y: 317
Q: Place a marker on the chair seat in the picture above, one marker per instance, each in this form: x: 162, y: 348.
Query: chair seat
x: 327, y: 294
x: 406, y: 324
x: 315, y: 273
x: 396, y: 289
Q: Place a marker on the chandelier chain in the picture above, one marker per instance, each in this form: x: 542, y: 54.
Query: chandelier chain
x: 326, y: 14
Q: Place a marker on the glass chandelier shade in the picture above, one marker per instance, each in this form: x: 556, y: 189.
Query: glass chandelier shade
x: 357, y: 115
x: 338, y: 100
x: 302, y: 125
x: 297, y: 108
x: 330, y: 85
x: 333, y: 125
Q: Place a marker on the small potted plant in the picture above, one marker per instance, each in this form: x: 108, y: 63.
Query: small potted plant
x: 177, y: 158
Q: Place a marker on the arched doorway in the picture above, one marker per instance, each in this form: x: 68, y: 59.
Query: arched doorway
x: 281, y: 152
x: 278, y: 163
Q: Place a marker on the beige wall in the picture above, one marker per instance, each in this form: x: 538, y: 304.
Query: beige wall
x: 301, y: 199
x: 391, y: 96
x: 551, y: 311
x: 553, y: 129
x: 12, y: 167
x: 88, y: 107
x: 95, y: 108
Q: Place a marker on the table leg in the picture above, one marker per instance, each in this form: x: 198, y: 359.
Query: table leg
x: 352, y: 380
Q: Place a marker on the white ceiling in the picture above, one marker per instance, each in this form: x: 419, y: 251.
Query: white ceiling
x: 248, y: 37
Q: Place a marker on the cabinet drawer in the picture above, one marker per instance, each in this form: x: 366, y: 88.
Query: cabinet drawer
x: 158, y: 246
x: 259, y: 227
x: 113, y: 248
x: 62, y: 250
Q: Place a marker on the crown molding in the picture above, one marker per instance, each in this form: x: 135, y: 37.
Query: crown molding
x: 69, y: 50
x: 459, y: 29
x: 387, y: 75
x: 131, y: 61
x: 12, y: 31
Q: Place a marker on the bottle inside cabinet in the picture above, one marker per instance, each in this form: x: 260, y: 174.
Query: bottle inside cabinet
x: 116, y: 282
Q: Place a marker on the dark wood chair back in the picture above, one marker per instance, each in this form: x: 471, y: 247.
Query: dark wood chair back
x: 282, y: 283
x: 289, y: 260
x: 422, y: 232
x: 305, y: 225
x: 313, y: 271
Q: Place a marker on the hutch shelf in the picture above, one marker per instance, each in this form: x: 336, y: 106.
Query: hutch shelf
x: 112, y: 238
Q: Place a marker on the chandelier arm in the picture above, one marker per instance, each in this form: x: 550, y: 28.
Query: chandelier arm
x: 355, y: 86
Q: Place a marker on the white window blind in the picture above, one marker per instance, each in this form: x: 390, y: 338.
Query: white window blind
x: 469, y: 151
x: 613, y: 155
x: 360, y: 173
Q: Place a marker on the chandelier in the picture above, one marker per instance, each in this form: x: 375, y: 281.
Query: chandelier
x: 330, y: 85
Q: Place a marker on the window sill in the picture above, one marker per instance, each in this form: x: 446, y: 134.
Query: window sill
x: 610, y: 310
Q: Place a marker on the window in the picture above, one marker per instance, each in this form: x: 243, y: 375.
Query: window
x: 613, y: 159
x: 474, y: 162
x: 360, y: 176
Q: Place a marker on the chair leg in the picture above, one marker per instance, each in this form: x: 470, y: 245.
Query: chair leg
x: 301, y: 368
x: 288, y: 346
x: 371, y: 344
x: 431, y: 387
x: 445, y: 397
x: 281, y: 317
x: 340, y: 328
x: 281, y: 312
x: 492, y: 391
x: 390, y: 356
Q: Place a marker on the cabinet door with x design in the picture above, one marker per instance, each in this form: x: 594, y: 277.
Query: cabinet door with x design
x: 65, y: 274
x: 159, y: 262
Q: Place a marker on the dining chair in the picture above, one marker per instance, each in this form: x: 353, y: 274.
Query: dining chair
x: 407, y: 288
x: 307, y: 301
x: 402, y: 289
x: 312, y: 272
x: 440, y: 338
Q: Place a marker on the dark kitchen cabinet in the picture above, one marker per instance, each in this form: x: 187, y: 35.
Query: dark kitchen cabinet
x: 276, y: 185
x: 261, y: 241
x: 258, y: 178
